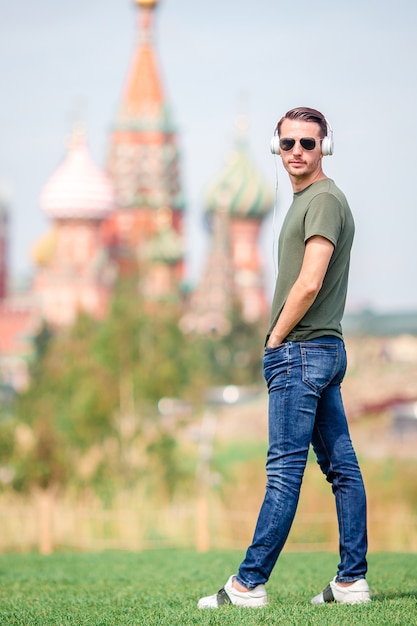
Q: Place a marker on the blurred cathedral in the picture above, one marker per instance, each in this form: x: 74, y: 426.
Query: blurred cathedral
x: 127, y: 219
x: 130, y: 218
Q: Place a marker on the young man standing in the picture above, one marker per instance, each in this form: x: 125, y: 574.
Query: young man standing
x: 304, y: 365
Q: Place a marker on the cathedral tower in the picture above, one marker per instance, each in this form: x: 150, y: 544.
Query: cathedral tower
x: 74, y: 271
x: 236, y: 204
x: 143, y: 163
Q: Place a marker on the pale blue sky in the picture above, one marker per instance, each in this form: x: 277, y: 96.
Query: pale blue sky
x: 353, y: 60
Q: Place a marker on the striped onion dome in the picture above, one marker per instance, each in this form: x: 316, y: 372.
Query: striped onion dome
x: 239, y: 186
x: 78, y: 188
x: 167, y: 245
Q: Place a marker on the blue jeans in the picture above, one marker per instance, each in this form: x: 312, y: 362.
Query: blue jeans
x: 305, y: 406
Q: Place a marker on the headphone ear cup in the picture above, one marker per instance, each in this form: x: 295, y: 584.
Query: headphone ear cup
x: 275, y: 144
x: 327, y: 146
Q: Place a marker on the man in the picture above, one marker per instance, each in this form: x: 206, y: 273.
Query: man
x: 304, y: 364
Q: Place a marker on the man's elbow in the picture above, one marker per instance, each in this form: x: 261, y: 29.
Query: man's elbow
x: 311, y: 289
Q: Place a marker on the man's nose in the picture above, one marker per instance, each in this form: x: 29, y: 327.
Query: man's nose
x: 297, y: 147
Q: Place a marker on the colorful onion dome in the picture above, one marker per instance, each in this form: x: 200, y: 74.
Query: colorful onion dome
x: 147, y: 3
x: 167, y: 245
x: 43, y: 250
x: 239, y: 187
x: 78, y: 188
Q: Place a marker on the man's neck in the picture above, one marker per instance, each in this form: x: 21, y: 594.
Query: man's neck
x: 299, y: 184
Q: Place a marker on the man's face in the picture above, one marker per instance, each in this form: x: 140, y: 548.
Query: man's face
x: 301, y: 164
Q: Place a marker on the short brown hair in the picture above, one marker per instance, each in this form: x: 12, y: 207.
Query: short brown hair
x: 305, y: 114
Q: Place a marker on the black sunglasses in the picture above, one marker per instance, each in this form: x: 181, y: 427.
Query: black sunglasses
x: 287, y: 143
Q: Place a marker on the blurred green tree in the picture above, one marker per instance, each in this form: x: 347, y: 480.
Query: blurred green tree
x: 90, y: 416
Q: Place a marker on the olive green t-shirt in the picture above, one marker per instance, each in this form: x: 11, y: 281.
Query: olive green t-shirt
x: 320, y: 209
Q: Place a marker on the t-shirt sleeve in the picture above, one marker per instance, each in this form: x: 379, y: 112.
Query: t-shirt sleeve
x: 323, y: 218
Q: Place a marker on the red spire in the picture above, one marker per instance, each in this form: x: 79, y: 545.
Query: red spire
x: 143, y: 161
x: 143, y: 96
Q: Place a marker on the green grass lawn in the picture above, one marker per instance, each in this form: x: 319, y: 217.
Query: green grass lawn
x: 162, y: 587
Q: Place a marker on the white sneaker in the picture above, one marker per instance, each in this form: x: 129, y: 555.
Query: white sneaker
x: 255, y: 598
x: 354, y: 594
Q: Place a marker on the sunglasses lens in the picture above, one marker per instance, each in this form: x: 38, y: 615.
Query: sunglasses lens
x: 308, y: 143
x: 286, y: 144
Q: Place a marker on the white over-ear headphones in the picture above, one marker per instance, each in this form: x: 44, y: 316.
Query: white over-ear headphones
x: 326, y: 144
